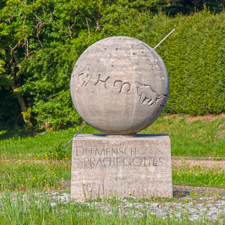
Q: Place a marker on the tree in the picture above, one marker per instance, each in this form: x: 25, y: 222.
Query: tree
x: 40, y: 41
x: 174, y: 7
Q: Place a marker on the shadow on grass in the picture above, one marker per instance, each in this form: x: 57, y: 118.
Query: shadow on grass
x: 16, y: 133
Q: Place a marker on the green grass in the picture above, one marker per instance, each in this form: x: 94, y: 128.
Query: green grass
x: 24, y: 145
x: 36, y: 163
x: 199, y: 176
x: 198, y: 138
x: 49, y: 175
x: 45, y: 175
x: 28, y: 162
x: 37, y: 209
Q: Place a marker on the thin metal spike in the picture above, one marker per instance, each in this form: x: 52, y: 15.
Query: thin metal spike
x: 75, y: 136
x: 164, y: 38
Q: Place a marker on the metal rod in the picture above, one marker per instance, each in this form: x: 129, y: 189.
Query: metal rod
x: 75, y: 136
x: 164, y: 38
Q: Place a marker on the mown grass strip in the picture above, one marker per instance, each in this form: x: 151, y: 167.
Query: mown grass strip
x: 189, y: 138
x: 192, y: 138
x: 47, y: 144
x: 199, y: 176
x: 47, y: 175
x: 33, y: 175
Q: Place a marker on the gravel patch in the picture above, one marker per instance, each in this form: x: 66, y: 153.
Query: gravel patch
x: 197, y: 209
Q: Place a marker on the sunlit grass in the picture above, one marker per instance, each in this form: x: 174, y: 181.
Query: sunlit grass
x: 40, y: 146
x: 197, y: 138
x: 49, y: 175
x: 33, y: 208
x: 38, y: 164
x: 198, y: 176
x: 45, y: 175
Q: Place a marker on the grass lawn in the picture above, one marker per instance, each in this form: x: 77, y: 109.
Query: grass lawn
x: 41, y: 209
x: 38, y: 161
x: 48, y: 175
x: 198, y: 176
x: 192, y: 137
x: 34, y: 163
x: 189, y: 138
x: 43, y: 175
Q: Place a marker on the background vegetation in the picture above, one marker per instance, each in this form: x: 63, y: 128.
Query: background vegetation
x: 40, y: 41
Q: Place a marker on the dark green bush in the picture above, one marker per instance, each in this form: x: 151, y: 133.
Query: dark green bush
x: 193, y: 54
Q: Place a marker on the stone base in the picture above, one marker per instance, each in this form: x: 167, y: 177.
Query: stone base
x: 114, y: 166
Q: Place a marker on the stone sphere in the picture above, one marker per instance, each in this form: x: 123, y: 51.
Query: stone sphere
x: 119, y: 85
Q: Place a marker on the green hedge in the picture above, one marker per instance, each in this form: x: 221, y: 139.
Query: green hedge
x: 193, y: 54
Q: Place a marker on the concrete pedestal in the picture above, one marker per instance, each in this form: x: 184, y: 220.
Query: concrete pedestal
x: 116, y: 165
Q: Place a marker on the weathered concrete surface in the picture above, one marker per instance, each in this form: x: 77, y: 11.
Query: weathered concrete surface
x: 107, y: 166
x: 119, y: 85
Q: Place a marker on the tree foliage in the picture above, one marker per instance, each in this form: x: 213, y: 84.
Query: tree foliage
x: 173, y: 7
x: 40, y: 41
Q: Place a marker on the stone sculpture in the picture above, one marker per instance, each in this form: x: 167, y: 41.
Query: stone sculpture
x: 119, y: 85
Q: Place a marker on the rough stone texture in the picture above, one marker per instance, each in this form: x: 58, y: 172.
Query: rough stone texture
x: 107, y: 166
x: 119, y: 85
